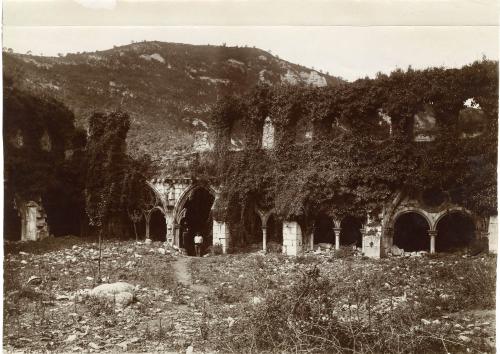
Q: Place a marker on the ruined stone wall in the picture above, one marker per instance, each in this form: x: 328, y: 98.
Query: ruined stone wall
x: 34, y: 225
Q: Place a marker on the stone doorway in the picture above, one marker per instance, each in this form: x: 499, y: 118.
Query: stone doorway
x: 197, y: 219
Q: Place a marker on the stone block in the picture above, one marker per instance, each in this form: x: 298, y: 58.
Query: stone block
x: 220, y: 235
x: 372, y: 246
x: 292, y: 238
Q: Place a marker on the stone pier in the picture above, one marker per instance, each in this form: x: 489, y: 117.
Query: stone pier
x: 292, y: 238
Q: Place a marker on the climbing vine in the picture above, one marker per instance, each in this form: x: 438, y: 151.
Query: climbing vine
x: 358, y: 148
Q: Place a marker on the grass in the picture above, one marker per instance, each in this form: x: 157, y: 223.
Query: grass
x: 250, y: 302
x: 49, y: 311
x: 345, y: 304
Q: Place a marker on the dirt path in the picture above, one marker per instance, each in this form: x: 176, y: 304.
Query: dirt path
x: 181, y: 271
x: 183, y: 274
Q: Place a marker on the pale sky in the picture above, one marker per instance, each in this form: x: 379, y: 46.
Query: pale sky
x: 354, y: 39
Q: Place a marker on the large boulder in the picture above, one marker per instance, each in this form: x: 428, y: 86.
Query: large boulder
x: 121, y: 293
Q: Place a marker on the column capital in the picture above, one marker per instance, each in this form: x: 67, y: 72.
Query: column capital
x: 432, y: 232
x: 337, y: 229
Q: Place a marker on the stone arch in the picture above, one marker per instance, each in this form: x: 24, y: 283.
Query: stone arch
x: 412, y: 230
x: 192, y: 214
x: 180, y: 203
x: 158, y: 202
x: 418, y: 211
x: 455, y: 229
x: 455, y: 209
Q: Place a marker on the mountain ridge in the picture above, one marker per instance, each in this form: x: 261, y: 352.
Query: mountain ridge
x: 167, y: 88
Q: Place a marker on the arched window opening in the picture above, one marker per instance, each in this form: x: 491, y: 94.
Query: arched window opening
x: 157, y: 226
x: 424, y: 125
x: 237, y: 136
x: 268, y: 134
x: 472, y: 121
x: 45, y: 142
x: 411, y: 232
x: 323, y: 230
x: 303, y: 131
x: 197, y: 219
x: 350, y: 232
x: 18, y: 139
x: 455, y: 231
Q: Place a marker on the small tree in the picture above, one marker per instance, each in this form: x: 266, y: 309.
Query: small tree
x: 106, y: 160
x: 136, y: 191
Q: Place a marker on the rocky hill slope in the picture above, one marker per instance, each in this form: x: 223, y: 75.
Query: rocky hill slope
x: 167, y: 88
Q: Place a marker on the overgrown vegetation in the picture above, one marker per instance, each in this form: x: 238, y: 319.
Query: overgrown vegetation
x: 170, y: 96
x: 336, y: 153
x: 44, y: 155
x: 247, y: 302
x: 115, y: 184
x: 331, y: 305
x: 48, y: 160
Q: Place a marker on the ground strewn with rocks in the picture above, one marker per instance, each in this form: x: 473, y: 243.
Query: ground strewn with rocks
x: 329, y: 302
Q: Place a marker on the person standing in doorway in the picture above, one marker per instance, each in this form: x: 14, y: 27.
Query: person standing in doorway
x: 198, y: 241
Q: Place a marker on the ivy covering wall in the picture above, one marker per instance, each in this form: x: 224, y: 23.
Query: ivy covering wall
x: 43, y: 158
x: 346, y: 150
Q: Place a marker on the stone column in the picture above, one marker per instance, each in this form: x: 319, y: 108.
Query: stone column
x: 264, y: 216
x: 432, y: 234
x: 264, y: 239
x: 147, y: 218
x: 311, y: 241
x: 220, y: 235
x: 169, y: 223
x: 336, y: 232
x: 363, y: 234
x: 176, y: 235
x: 493, y: 234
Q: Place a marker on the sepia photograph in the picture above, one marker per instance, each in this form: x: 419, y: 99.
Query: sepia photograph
x: 230, y: 176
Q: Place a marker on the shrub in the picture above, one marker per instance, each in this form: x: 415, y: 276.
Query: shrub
x: 345, y: 252
x: 216, y: 249
x: 274, y: 247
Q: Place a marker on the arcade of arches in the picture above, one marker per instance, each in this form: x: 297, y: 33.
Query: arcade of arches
x: 184, y: 209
